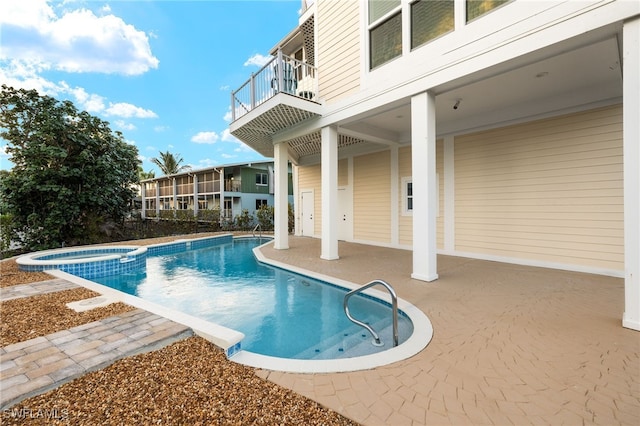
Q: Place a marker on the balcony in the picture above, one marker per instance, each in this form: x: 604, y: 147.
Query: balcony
x: 280, y: 95
x: 232, y: 185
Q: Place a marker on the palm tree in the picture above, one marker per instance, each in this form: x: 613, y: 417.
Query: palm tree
x: 142, y: 175
x: 170, y: 164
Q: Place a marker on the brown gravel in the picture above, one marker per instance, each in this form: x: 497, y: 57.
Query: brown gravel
x: 187, y: 383
x: 35, y: 316
x: 11, y: 275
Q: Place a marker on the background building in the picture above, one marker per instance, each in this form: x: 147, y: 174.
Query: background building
x: 216, y: 192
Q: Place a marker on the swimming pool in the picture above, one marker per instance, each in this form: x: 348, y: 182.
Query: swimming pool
x: 281, y: 314
x: 262, y: 314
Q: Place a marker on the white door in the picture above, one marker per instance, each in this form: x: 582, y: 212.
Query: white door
x: 345, y: 215
x: 306, y: 214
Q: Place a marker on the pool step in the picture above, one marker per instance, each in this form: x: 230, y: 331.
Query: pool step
x: 355, y: 341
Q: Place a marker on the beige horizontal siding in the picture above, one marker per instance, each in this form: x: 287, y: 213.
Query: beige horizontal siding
x: 343, y: 172
x: 440, y: 172
x: 338, y: 49
x: 549, y: 190
x: 371, y: 197
x: 405, y: 223
x: 309, y: 178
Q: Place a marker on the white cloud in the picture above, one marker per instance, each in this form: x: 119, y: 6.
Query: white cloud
x: 161, y: 128
x: 75, y: 41
x: 206, y: 162
x: 25, y: 75
x: 121, y: 124
x: 258, y: 60
x: 127, y: 110
x: 228, y: 156
x: 227, y: 117
x: 88, y: 102
x: 228, y: 137
x: 225, y: 88
x: 243, y: 148
x: 206, y: 137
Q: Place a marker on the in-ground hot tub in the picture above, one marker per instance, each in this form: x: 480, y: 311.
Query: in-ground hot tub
x: 86, y: 262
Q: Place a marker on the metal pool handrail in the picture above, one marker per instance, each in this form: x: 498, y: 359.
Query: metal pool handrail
x: 394, y: 304
x: 258, y: 226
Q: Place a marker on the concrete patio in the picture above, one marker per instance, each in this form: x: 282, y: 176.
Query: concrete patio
x: 512, y: 345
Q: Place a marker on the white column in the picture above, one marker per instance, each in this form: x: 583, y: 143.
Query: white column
x: 423, y: 177
x: 329, y: 172
x: 631, y: 152
x: 175, y: 196
x: 195, y: 195
x: 281, y: 196
x: 157, y: 184
x: 143, y: 199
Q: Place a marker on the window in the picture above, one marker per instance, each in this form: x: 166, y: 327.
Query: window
x: 262, y: 179
x: 407, y: 196
x: 477, y: 8
x: 385, y: 34
x: 260, y: 203
x: 430, y: 19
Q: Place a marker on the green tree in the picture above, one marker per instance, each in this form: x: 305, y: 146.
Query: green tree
x: 170, y: 164
x: 72, y: 174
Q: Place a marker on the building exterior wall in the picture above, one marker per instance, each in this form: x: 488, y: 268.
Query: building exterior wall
x: 548, y: 190
x: 338, y: 49
x: 440, y: 214
x: 343, y: 172
x: 405, y: 221
x: 249, y: 185
x: 372, y: 192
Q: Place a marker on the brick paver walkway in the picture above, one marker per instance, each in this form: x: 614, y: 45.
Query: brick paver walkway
x: 34, y: 366
x: 32, y: 289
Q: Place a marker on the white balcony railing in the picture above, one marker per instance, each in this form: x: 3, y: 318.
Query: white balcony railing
x: 282, y: 74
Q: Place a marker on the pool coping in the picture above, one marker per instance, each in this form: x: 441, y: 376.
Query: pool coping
x: 230, y: 339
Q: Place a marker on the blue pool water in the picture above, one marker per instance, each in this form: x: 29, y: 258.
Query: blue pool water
x: 282, y: 314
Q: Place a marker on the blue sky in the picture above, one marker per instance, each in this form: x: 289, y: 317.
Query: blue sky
x: 161, y: 72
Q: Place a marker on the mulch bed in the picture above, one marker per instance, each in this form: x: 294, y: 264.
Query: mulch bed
x: 11, y: 275
x: 35, y: 316
x: 187, y: 383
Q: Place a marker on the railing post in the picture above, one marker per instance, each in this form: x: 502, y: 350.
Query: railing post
x: 233, y: 106
x: 280, y: 68
x: 252, y: 88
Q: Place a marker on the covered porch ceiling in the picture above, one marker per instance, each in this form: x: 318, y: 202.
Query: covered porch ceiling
x: 573, y: 75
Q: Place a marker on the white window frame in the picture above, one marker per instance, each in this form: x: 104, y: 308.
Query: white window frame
x: 371, y: 26
x: 266, y: 177
x: 405, y: 181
